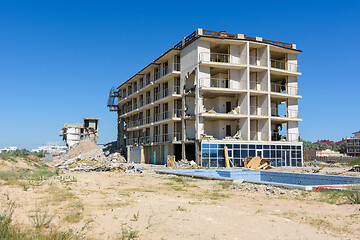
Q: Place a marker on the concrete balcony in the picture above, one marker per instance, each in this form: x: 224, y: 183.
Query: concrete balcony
x: 222, y: 114
x: 285, y: 67
x: 285, y: 137
x: 222, y: 60
x: 285, y: 113
x: 257, y: 112
x: 259, y: 136
x: 219, y: 85
x: 282, y: 89
x: 257, y: 61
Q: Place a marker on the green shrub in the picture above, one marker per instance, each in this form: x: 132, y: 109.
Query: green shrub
x: 355, y: 161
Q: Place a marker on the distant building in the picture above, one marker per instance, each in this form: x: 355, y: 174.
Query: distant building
x: 52, y: 148
x: 8, y: 149
x: 72, y: 133
x: 328, y: 153
x: 353, y: 144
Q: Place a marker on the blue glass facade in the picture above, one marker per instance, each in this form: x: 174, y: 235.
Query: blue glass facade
x: 212, y: 154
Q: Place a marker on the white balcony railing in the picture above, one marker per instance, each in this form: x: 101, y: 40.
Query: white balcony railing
x: 280, y: 136
x: 292, y: 67
x: 282, y: 88
x: 285, y: 113
x: 222, y: 58
x: 215, y: 82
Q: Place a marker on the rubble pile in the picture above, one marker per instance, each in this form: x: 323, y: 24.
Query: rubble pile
x: 185, y: 164
x: 91, y: 160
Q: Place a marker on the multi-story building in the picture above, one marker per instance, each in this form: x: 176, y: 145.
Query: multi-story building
x: 214, y: 89
x: 353, y: 145
x: 73, y: 133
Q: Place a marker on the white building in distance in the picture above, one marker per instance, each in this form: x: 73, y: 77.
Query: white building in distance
x: 72, y: 133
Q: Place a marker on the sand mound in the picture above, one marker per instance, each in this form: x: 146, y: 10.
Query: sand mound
x: 81, y: 148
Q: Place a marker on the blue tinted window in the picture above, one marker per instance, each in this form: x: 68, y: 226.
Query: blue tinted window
x: 258, y: 146
x: 221, y: 153
x: 205, y: 145
x: 237, y: 162
x: 251, y: 146
x: 266, y: 154
x: 272, y: 146
x: 205, y: 153
x: 237, y: 153
x: 213, y: 153
x: 244, y: 153
x: 251, y: 153
x: 244, y: 146
x: 266, y: 146
x: 229, y: 146
x: 213, y: 162
x: 221, y: 162
x: 205, y: 162
x: 273, y: 154
x: 236, y: 146
x: 278, y: 146
x: 221, y: 146
x: 212, y: 146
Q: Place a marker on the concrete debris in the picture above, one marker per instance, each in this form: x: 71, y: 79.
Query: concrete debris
x: 185, y: 164
x: 235, y: 111
x: 238, y: 135
x: 257, y: 163
x: 207, y: 137
x: 91, y: 160
x: 355, y: 168
x: 211, y: 111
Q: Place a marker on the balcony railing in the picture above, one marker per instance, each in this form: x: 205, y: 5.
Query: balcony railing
x: 145, y: 140
x: 177, y: 136
x: 157, y: 96
x: 215, y: 82
x: 157, y: 75
x: 292, y: 67
x: 285, y: 113
x: 177, y: 90
x: 222, y: 58
x: 256, y: 111
x: 282, y: 88
x: 279, y: 136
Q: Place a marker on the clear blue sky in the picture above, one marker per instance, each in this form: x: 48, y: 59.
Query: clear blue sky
x: 58, y: 59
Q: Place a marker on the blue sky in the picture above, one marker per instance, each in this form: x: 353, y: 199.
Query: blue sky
x: 58, y: 59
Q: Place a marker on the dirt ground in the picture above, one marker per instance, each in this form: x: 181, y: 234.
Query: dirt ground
x: 104, y: 205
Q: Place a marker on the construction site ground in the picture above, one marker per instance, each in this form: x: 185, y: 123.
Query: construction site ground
x: 105, y: 205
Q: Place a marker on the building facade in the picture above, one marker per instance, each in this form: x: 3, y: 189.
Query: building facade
x: 73, y: 133
x: 211, y: 90
x: 353, y: 145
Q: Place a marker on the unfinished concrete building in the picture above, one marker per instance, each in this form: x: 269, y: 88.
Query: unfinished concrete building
x: 353, y: 145
x: 211, y: 90
x: 73, y: 133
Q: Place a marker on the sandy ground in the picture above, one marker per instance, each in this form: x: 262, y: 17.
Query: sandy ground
x: 101, y: 205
